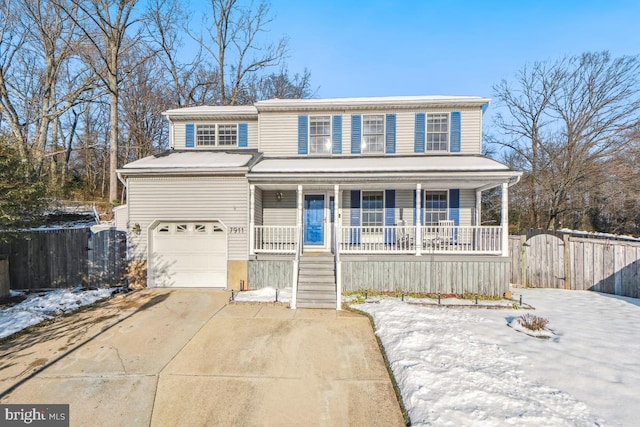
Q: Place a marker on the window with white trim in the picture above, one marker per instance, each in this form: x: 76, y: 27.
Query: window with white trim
x: 372, y: 209
x: 435, y: 207
x: 319, y: 134
x: 437, y: 137
x: 217, y: 135
x: 373, y: 133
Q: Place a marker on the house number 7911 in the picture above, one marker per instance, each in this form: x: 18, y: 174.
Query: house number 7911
x: 237, y: 230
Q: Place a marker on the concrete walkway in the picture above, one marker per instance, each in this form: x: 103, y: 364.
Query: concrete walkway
x: 185, y: 357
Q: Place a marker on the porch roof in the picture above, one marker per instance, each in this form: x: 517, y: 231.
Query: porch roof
x: 469, y: 171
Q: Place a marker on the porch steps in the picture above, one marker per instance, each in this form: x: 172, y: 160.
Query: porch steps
x: 317, y: 281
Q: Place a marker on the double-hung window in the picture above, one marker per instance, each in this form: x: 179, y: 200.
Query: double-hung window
x: 373, y: 133
x: 435, y: 207
x: 437, y: 132
x: 319, y: 134
x: 373, y: 209
x: 221, y: 135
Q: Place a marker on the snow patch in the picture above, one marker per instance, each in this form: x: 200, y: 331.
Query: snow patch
x: 267, y: 294
x: 39, y: 307
x: 453, y: 368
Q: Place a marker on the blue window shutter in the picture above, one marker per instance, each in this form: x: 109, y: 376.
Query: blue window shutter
x: 454, y: 206
x: 455, y: 132
x: 354, y: 214
x: 303, y: 134
x: 390, y: 138
x: 418, y: 144
x: 188, y: 135
x: 414, y: 207
x: 243, y: 135
x: 389, y: 215
x: 356, y: 133
x: 336, y: 135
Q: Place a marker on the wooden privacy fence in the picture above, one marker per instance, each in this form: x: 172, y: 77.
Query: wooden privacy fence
x: 569, y: 262
x: 63, y: 258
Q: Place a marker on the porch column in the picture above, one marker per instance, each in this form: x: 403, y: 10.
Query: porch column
x: 252, y: 218
x: 478, y: 207
x: 299, y: 208
x: 336, y: 242
x: 294, y: 287
x: 504, y: 218
x: 418, y: 224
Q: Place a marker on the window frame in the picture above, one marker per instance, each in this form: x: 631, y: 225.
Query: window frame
x: 446, y: 133
x: 427, y: 211
x: 216, y: 135
x: 327, y: 145
x: 375, y: 226
x: 364, y: 146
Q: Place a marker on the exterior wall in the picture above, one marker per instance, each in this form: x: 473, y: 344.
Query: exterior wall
x: 259, y: 217
x: 121, y: 217
x: 279, y: 212
x: 276, y: 272
x: 177, y: 133
x: 433, y: 274
x: 404, y: 206
x: 279, y: 131
x: 189, y: 198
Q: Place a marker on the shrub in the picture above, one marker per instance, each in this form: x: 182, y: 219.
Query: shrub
x: 533, y: 323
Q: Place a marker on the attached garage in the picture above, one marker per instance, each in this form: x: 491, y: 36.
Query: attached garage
x: 188, y: 254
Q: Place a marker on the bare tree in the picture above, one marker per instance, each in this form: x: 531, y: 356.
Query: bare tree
x: 233, y: 40
x: 565, y: 118
x: 106, y: 25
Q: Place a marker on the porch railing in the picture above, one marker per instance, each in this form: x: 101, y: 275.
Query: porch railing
x: 275, y: 239
x: 399, y: 239
x: 432, y: 239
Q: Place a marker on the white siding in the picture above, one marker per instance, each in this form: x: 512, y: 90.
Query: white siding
x: 467, y: 206
x: 189, y: 198
x: 279, y: 131
x: 279, y: 212
x: 121, y: 217
x: 258, y: 207
x: 177, y: 132
x: 279, y: 134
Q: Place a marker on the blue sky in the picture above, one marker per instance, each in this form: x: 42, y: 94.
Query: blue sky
x: 377, y: 48
x: 428, y: 47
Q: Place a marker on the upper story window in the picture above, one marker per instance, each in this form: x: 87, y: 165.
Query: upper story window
x: 223, y: 135
x: 373, y: 133
x: 437, y: 132
x: 320, y: 134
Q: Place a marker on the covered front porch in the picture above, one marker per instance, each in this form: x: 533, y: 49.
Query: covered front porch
x: 311, y: 218
x: 409, y: 230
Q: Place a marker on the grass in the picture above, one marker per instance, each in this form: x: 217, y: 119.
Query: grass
x: 360, y: 295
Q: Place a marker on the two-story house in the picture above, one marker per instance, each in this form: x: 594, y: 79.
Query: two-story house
x: 321, y: 195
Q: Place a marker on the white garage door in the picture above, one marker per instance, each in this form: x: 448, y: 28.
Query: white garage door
x: 189, y: 254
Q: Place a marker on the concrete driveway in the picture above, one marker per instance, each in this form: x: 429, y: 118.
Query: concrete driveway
x: 185, y: 357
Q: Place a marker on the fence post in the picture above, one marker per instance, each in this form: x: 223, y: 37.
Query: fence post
x: 567, y: 262
x: 523, y: 263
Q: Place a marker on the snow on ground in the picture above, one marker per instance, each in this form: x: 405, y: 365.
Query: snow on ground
x: 45, y: 305
x: 468, y: 367
x: 264, y: 295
